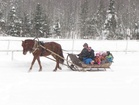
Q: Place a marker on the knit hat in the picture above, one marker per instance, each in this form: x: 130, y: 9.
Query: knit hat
x: 97, y: 54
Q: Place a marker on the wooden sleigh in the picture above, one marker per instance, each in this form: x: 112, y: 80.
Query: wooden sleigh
x: 77, y: 65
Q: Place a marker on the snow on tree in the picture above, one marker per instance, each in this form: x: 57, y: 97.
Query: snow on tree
x: 26, y: 26
x: 46, y: 26
x: 99, y: 17
x: 91, y: 31
x: 2, y: 23
x: 39, y: 21
x: 14, y: 23
x: 136, y: 31
x: 84, y: 19
x: 57, y: 28
x: 110, y: 22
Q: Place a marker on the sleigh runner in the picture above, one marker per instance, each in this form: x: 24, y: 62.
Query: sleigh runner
x: 76, y: 64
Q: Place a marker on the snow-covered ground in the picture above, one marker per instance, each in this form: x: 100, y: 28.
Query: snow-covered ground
x: 116, y: 86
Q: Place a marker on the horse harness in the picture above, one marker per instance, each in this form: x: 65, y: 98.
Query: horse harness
x: 37, y: 45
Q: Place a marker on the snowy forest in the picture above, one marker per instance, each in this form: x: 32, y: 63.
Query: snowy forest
x: 81, y: 19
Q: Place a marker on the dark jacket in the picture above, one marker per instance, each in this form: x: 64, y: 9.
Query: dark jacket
x: 84, y: 53
x: 91, y: 54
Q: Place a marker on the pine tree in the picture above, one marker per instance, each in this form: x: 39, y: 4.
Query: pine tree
x: 84, y: 19
x: 91, y: 28
x: 110, y: 22
x: 26, y: 26
x: 14, y: 23
x: 38, y: 21
x: 100, y: 17
x: 57, y: 28
x: 2, y: 23
x: 41, y: 23
x: 1, y: 14
x: 136, y: 31
x: 46, y: 26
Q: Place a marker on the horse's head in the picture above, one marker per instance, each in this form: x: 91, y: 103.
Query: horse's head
x: 27, y: 46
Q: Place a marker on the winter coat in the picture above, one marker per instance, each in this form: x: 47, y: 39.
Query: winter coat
x: 84, y: 54
x: 97, y: 60
x: 91, y: 54
x: 109, y: 58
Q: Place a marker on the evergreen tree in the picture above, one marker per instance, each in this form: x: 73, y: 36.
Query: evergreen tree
x: 84, y: 19
x: 100, y: 17
x: 41, y: 23
x: 57, y: 28
x: 136, y: 31
x: 95, y: 21
x: 2, y: 23
x: 91, y: 28
x: 26, y: 26
x: 38, y: 21
x: 110, y: 22
x: 1, y: 14
x: 14, y: 23
x: 46, y: 26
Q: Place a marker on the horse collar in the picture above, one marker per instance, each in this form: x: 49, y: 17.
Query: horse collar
x: 35, y: 46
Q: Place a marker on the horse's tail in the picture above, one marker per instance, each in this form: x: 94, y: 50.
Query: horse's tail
x: 62, y: 57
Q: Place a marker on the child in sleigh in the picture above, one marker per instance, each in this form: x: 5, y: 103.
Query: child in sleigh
x: 102, y: 58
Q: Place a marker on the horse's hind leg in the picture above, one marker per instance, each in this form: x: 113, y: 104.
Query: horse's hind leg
x: 60, y: 68
x: 39, y: 62
x: 57, y: 64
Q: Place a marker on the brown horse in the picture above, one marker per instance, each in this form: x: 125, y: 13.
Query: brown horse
x: 43, y: 49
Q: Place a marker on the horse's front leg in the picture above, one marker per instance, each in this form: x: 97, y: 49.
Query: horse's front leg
x: 39, y: 62
x: 34, y: 59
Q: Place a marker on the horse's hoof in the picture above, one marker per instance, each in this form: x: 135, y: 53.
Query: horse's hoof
x: 60, y: 68
x: 29, y: 71
x: 40, y: 70
x: 54, y: 70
